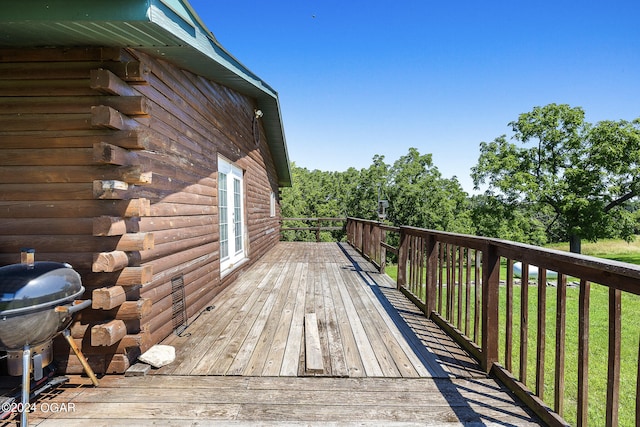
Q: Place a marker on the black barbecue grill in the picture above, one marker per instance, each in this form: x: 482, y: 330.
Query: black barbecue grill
x: 29, y: 296
x: 37, y: 301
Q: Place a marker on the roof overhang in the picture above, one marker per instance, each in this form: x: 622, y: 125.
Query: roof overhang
x: 169, y: 29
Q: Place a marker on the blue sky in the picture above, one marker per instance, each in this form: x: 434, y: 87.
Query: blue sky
x: 359, y: 78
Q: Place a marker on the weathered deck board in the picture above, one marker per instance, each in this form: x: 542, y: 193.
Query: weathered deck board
x: 330, y: 281
x: 223, y: 351
x: 220, y: 400
x: 353, y: 361
x: 291, y: 356
x: 243, y: 362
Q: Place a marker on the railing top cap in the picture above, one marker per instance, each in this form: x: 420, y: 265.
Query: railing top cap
x: 565, y: 262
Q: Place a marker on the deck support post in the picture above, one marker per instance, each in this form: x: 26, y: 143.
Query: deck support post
x: 432, y: 274
x: 490, y: 301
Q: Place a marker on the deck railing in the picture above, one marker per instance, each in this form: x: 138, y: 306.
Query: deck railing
x: 319, y: 225
x: 459, y: 281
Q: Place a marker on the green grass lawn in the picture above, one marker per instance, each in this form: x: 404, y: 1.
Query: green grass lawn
x: 608, y: 249
x: 613, y: 249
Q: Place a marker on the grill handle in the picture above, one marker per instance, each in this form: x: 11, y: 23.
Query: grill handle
x: 80, y: 306
x: 67, y: 310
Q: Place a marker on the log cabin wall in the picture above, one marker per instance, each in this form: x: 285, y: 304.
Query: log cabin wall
x: 108, y: 161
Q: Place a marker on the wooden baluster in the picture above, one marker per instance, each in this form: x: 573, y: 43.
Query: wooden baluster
x: 524, y: 322
x: 542, y: 330
x: 423, y: 272
x: 613, y: 371
x: 383, y: 251
x: 459, y: 285
x: 583, y: 352
x: 441, y: 247
x: 561, y: 320
x: 420, y: 266
x: 449, y: 285
x: 508, y: 348
x: 412, y: 261
x: 377, y: 247
x: 478, y: 301
x: 416, y: 265
x: 638, y: 391
x: 468, y: 294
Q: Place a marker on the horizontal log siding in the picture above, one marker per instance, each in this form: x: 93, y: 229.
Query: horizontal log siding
x: 72, y: 127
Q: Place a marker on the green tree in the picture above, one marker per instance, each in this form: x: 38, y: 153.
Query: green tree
x: 584, y: 174
x: 495, y: 217
x: 311, y: 196
x: 366, y: 186
x: 419, y: 196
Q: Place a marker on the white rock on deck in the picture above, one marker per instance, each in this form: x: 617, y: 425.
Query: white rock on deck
x: 158, y: 355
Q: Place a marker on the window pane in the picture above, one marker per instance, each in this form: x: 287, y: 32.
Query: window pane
x: 237, y: 214
x: 223, y: 215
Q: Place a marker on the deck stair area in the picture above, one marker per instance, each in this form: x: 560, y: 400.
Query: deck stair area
x: 311, y: 334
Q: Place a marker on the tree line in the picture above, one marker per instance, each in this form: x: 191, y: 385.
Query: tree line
x: 558, y: 178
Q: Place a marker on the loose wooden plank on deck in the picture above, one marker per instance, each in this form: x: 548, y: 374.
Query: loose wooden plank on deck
x: 313, y: 350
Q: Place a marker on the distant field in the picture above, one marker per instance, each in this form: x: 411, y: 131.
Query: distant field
x: 614, y: 249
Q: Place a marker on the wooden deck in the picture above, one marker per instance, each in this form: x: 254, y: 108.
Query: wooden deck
x: 311, y: 334
x: 258, y: 328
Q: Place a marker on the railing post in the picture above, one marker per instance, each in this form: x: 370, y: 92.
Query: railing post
x: 366, y: 240
x: 351, y: 227
x: 432, y: 274
x: 402, y: 259
x: 372, y: 241
x: 490, y: 301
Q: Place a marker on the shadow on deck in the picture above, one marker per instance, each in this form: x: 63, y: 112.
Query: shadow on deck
x: 311, y: 333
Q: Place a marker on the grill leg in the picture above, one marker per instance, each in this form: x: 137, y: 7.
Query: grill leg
x: 26, y: 385
x: 81, y: 357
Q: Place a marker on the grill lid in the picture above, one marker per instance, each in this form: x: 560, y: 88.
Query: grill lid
x: 36, y: 286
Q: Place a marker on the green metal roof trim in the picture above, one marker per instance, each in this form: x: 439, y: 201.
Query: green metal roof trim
x: 166, y: 28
